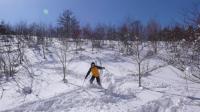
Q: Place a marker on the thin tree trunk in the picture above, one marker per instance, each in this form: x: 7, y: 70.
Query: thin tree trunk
x: 139, y: 75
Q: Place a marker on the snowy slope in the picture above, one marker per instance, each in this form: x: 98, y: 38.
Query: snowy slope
x: 164, y: 89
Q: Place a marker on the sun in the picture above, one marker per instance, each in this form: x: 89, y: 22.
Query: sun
x: 45, y: 11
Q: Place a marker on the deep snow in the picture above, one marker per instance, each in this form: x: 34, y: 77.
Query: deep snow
x: 164, y: 89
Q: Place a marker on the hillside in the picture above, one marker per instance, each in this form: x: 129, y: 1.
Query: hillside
x: 164, y: 89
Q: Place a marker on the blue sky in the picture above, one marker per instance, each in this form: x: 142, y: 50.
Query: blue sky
x: 94, y: 11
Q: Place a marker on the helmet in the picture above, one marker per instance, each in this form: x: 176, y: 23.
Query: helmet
x: 92, y: 63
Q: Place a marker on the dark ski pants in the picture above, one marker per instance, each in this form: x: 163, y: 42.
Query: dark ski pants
x: 97, y: 78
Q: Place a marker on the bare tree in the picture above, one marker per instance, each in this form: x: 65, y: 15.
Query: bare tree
x: 153, y: 29
x: 124, y: 37
x: 68, y: 28
x: 76, y: 34
x: 140, y: 55
x: 196, y: 54
x: 9, y: 56
x: 62, y: 53
x: 2, y: 28
x: 138, y: 48
x: 98, y: 37
x: 87, y: 33
x: 136, y: 30
x: 43, y: 39
x: 111, y: 36
x: 67, y: 23
x: 20, y: 47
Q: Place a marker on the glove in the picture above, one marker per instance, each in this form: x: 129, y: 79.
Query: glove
x: 103, y: 68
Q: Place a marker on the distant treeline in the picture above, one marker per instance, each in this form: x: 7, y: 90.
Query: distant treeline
x: 68, y: 26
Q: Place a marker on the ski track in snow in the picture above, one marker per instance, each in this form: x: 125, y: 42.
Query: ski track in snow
x: 163, y: 90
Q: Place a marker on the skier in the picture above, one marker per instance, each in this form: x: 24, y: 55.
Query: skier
x: 95, y: 73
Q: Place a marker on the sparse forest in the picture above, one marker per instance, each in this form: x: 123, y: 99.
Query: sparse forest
x: 172, y: 38
x: 177, y: 45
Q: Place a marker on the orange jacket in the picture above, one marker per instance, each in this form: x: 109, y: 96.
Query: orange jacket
x: 94, y: 70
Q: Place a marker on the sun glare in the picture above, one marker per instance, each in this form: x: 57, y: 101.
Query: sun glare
x: 45, y: 11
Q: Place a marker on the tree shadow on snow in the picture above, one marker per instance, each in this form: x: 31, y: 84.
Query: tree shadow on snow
x: 190, y: 97
x: 193, y: 98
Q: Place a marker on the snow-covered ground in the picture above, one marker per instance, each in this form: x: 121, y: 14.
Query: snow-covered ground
x: 163, y: 90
